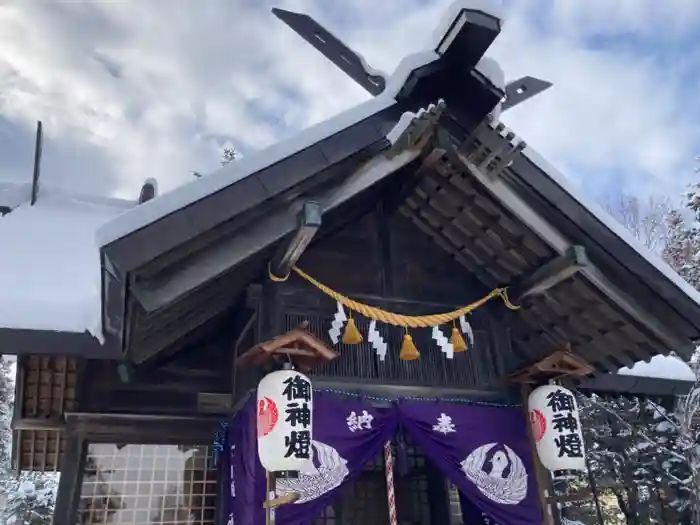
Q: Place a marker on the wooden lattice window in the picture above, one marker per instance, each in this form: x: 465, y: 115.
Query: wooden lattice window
x: 363, y: 502
x: 147, y: 484
x: 421, y: 495
x: 46, y: 390
x: 412, y: 490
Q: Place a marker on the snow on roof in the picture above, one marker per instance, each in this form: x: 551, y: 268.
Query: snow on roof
x: 50, y: 267
x: 202, y: 187
x: 12, y: 194
x: 612, y: 224
x: 661, y: 367
x: 168, y: 203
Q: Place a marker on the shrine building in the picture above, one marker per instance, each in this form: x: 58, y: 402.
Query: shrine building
x: 413, y: 257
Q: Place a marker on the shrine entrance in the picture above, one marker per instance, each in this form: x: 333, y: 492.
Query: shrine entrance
x: 423, y: 496
x: 481, y: 448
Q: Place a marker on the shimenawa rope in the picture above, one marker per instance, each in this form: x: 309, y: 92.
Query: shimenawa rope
x: 409, y: 321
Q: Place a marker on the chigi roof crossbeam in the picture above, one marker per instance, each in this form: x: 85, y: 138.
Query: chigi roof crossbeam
x: 467, y: 37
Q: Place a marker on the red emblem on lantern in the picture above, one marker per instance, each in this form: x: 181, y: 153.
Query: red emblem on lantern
x: 539, y: 424
x: 267, y: 416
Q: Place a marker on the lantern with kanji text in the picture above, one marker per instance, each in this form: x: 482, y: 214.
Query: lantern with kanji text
x: 284, y: 421
x: 556, y: 428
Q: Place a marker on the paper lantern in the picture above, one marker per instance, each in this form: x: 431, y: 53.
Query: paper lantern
x: 556, y: 427
x: 284, y: 421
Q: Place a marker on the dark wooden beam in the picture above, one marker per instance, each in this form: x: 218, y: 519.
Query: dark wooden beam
x: 145, y: 428
x: 522, y: 89
x: 68, y: 493
x: 37, y: 162
x: 308, y: 222
x: 38, y: 424
x: 551, y: 273
x: 394, y: 390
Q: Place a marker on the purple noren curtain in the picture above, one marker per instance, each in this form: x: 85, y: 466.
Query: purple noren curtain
x: 484, y: 451
x: 473, y: 515
x: 348, y: 433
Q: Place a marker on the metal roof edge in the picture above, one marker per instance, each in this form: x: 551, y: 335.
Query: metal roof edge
x: 20, y: 341
x: 637, y: 385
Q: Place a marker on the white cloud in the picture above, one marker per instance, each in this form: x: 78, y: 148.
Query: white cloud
x: 129, y: 90
x: 613, y: 108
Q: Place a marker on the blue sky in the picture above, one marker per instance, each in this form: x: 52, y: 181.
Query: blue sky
x: 129, y: 89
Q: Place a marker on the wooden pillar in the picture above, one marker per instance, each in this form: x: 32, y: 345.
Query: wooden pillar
x: 594, y: 489
x: 68, y: 493
x: 541, y: 474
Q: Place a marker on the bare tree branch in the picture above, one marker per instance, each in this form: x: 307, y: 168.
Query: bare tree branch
x: 645, y: 219
x: 642, y: 435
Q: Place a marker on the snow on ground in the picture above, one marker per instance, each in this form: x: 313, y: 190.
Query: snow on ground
x: 661, y: 367
x: 50, y: 267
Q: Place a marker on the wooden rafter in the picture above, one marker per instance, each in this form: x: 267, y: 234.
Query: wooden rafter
x: 551, y: 273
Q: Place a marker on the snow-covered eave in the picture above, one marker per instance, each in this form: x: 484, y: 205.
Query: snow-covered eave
x: 660, y: 367
x: 535, y: 192
x: 51, y: 299
x: 618, y: 230
x: 25, y: 341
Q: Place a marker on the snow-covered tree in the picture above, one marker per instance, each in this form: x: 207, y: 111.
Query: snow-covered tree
x: 639, y: 453
x: 6, y: 402
x: 228, y: 155
x: 649, y: 452
x: 682, y: 250
x: 29, y: 497
x: 30, y: 501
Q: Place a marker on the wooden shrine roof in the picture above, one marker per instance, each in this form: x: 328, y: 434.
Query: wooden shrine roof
x: 472, y: 186
x: 452, y: 206
x: 608, y: 312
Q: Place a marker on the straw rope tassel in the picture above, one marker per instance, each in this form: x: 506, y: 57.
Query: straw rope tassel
x: 352, y: 335
x: 389, y: 469
x: 409, y: 352
x: 458, y: 343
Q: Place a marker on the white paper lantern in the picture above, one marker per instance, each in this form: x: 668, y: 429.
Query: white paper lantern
x: 284, y: 421
x: 556, y: 427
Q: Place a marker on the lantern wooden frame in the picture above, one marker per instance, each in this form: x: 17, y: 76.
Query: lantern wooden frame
x: 561, y: 363
x: 303, y: 349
